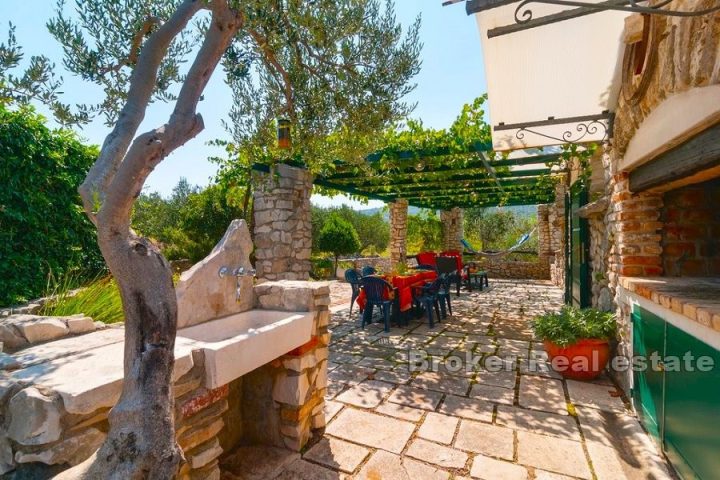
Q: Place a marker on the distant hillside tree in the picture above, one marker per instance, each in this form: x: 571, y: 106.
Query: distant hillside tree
x: 373, y: 230
x: 338, y: 237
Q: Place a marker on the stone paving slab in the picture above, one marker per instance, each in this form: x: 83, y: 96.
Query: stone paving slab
x: 439, y: 428
x: 400, y: 411
x: 386, y: 466
x: 368, y: 394
x: 602, y: 397
x: 437, y: 454
x: 487, y: 439
x: 552, y: 454
x: 302, y: 470
x: 493, y: 394
x: 511, y: 424
x: 416, y: 397
x: 474, y: 409
x: 486, y: 468
x: 442, y: 383
x: 370, y: 429
x: 337, y: 454
x: 562, y: 426
x: 544, y: 394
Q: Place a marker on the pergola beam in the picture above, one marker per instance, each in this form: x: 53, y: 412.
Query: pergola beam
x: 460, y: 177
x: 470, y: 165
x: 512, y: 189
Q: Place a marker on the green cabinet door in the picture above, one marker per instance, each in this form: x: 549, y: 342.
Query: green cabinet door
x: 692, y: 409
x: 648, y: 385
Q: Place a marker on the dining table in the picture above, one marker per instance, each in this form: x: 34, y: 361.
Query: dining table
x: 403, y: 286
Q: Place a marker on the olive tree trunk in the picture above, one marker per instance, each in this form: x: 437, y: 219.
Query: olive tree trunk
x: 141, y: 441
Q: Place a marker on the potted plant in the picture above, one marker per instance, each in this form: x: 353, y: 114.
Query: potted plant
x: 577, y: 341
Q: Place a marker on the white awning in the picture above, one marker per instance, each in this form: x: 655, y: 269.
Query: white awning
x: 559, y: 79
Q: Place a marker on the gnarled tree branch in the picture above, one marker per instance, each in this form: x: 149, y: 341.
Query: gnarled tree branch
x: 142, y: 84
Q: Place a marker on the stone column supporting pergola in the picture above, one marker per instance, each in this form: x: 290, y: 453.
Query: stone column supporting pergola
x: 283, y: 229
x: 398, y: 231
x: 453, y: 231
x: 544, y: 232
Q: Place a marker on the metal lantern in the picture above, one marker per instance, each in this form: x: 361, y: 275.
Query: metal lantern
x: 283, y: 134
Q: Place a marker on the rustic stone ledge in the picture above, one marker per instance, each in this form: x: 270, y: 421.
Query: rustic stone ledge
x: 696, y: 298
x: 598, y: 208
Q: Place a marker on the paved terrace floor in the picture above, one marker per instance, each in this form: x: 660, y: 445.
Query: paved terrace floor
x: 386, y: 422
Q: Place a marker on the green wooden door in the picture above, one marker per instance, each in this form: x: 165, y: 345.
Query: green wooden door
x: 648, y: 385
x: 692, y: 409
x: 577, y: 248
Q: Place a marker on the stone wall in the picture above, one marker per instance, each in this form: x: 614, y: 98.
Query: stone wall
x: 691, y: 231
x: 503, y: 268
x: 543, y: 231
x: 556, y: 232
x: 283, y: 229
x: 452, y: 228
x: 52, y: 416
x: 684, y: 55
x: 299, y: 378
x: 398, y: 231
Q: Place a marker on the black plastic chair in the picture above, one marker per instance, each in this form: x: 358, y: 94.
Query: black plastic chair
x: 424, y: 266
x: 444, y: 294
x: 448, y: 266
x: 427, y: 297
x: 353, y: 278
x: 368, y: 270
x: 375, y: 292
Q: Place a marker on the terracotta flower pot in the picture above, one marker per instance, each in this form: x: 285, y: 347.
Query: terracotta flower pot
x: 583, y: 360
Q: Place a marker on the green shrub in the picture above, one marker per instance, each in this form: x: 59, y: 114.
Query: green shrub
x: 99, y: 299
x: 572, y: 324
x: 338, y: 237
x: 321, y: 268
x: 42, y: 224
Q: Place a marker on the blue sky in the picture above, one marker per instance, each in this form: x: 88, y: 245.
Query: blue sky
x: 452, y: 74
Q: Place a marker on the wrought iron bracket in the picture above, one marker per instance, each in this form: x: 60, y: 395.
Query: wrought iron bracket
x: 584, y: 126
x: 525, y: 19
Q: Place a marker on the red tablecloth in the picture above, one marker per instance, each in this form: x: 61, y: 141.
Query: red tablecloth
x: 404, y: 284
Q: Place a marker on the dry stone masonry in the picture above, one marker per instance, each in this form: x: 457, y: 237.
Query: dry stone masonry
x: 54, y: 404
x: 452, y: 226
x: 283, y: 229
x: 398, y: 231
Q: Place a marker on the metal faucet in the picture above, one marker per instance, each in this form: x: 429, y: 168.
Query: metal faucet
x: 237, y: 273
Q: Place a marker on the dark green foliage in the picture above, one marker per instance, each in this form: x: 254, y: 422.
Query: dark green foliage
x: 424, y: 232
x: 321, y: 268
x: 189, y: 223
x: 499, y: 229
x: 42, y: 225
x: 572, y: 324
x: 373, y: 230
x: 338, y: 237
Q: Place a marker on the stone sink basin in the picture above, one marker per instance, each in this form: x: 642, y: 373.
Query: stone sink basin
x: 239, y: 343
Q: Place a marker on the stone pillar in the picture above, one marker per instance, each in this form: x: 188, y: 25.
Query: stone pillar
x: 452, y: 224
x: 543, y: 230
x: 398, y: 231
x: 556, y: 229
x: 283, y: 229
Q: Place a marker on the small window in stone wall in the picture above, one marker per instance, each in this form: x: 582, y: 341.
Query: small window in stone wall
x: 691, y: 230
x: 641, y: 32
